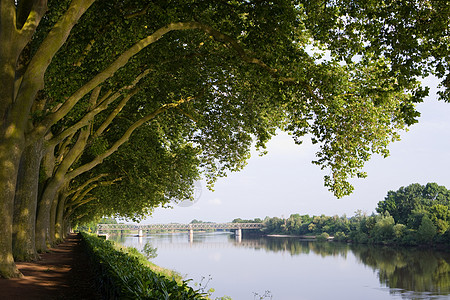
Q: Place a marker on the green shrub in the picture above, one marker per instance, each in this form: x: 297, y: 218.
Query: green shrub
x: 122, y: 276
x: 323, y: 237
x: 360, y: 237
x: 340, y: 237
x: 383, y: 229
x: 427, y: 230
x: 399, y: 231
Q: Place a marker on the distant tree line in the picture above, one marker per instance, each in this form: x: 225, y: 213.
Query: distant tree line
x: 92, y: 226
x: 239, y: 220
x: 413, y: 215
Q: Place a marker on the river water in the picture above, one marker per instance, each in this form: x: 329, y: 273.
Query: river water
x: 299, y: 270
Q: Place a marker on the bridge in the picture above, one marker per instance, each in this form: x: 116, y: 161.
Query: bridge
x: 101, y: 228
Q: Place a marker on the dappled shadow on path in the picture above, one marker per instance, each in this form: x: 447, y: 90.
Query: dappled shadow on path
x: 62, y: 273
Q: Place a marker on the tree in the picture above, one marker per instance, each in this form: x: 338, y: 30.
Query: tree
x: 384, y: 228
x: 399, y: 231
x: 323, y: 237
x: 440, y: 215
x: 417, y: 199
x: 427, y: 230
x: 201, y: 79
x: 410, y: 34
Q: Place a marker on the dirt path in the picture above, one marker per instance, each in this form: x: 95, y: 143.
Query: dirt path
x: 62, y: 273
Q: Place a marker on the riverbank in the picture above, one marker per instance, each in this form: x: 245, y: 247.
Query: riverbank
x: 62, y: 273
x: 305, y: 237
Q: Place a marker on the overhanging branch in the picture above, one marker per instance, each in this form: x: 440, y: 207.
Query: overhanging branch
x: 125, y: 137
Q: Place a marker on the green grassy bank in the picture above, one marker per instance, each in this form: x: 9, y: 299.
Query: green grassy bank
x: 124, y: 273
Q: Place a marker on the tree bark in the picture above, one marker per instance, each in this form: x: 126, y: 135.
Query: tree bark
x: 43, y: 239
x: 45, y: 220
x: 25, y: 203
x: 59, y: 224
x: 11, y: 136
x: 10, y: 152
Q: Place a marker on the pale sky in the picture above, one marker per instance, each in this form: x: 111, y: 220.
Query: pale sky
x: 285, y: 182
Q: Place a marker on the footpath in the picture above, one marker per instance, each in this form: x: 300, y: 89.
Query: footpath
x: 62, y: 273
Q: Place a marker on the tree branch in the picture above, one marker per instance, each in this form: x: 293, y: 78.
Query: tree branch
x: 242, y: 53
x: 114, y: 113
x: 33, y: 79
x: 102, y: 104
x: 84, y: 185
x: 63, y: 149
x: 29, y: 16
x: 73, y: 154
x: 121, y: 61
x: 73, y: 205
x: 99, y: 159
x: 7, y: 16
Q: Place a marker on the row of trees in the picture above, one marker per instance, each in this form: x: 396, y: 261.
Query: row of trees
x: 416, y: 214
x: 117, y: 107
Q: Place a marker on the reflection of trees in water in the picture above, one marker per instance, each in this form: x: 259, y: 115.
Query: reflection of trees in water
x: 414, y: 273
x: 295, y: 247
x: 411, y: 272
x: 408, y: 269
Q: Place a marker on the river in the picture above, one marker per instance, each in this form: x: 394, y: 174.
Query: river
x: 299, y: 270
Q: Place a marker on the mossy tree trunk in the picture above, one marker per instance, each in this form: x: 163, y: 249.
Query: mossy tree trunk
x: 25, y: 203
x: 59, y: 224
x: 46, y: 214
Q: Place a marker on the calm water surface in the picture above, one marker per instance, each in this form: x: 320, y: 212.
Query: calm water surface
x: 299, y: 270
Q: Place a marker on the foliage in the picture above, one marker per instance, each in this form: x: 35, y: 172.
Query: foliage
x: 149, y: 251
x: 239, y: 220
x: 340, y: 237
x: 399, y: 231
x: 384, y: 228
x: 323, y: 237
x: 427, y: 230
x: 266, y: 295
x: 415, y: 203
x: 122, y: 276
x: 425, y: 208
x: 402, y: 204
x: 195, y: 221
x: 92, y: 225
x: 132, y: 101
x: 410, y: 34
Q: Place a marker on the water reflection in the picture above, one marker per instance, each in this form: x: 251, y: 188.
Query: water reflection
x: 406, y: 272
x: 416, y: 274
x: 413, y: 273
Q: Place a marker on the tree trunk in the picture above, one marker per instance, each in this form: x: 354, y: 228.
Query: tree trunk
x: 43, y: 220
x: 53, y: 211
x: 59, y: 225
x: 9, y: 165
x: 11, y: 138
x: 25, y: 204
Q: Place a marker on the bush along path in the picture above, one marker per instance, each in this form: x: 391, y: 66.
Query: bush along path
x: 62, y: 273
x: 122, y: 275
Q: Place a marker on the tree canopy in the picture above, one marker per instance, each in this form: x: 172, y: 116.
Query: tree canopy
x: 408, y: 205
x: 116, y: 107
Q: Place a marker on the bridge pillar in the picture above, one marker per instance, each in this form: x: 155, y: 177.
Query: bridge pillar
x: 191, y: 235
x: 238, y: 232
x: 238, y: 235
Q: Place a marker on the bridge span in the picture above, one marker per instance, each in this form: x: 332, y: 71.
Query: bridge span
x: 102, y: 228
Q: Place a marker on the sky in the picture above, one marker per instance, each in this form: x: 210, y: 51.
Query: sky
x: 285, y: 182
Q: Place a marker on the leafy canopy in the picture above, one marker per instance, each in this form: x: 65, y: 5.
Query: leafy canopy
x: 233, y: 72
